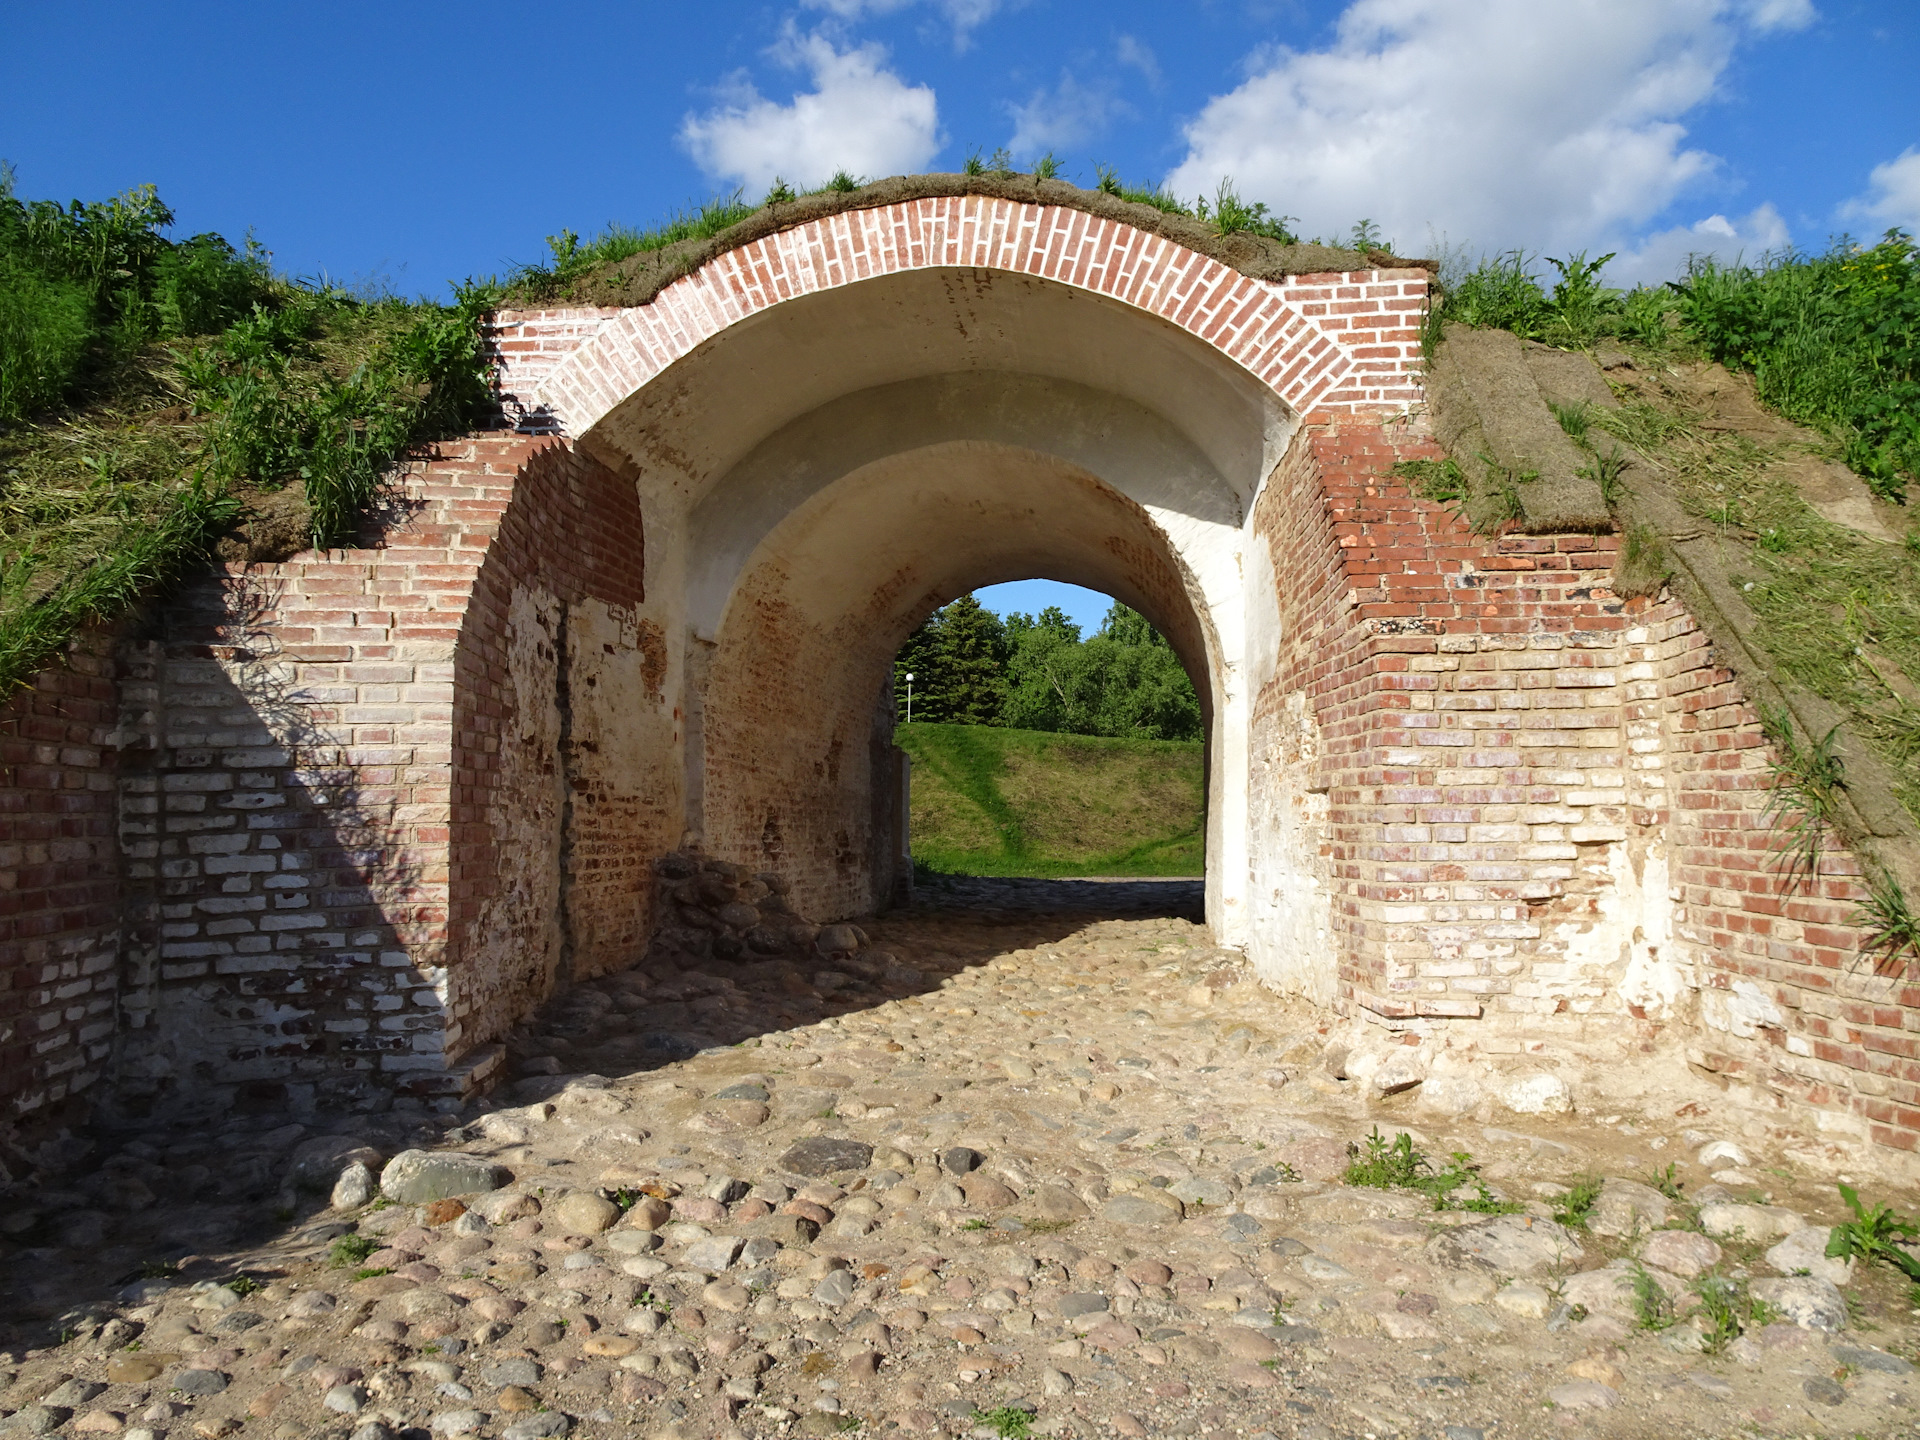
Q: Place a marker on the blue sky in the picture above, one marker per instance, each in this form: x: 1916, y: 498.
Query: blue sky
x: 419, y: 143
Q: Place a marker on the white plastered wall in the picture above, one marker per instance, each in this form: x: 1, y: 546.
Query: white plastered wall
x: 901, y: 377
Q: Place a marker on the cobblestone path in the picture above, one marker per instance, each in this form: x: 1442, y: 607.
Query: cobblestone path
x: 1032, y: 1158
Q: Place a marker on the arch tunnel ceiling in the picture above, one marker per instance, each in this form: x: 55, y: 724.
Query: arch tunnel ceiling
x: 966, y: 407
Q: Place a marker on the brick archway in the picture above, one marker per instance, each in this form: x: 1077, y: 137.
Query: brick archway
x: 1346, y: 342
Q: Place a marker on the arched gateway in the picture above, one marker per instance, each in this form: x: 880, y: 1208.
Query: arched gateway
x: 375, y: 805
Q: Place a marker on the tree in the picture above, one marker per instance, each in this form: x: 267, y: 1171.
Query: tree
x: 1042, y: 658
x: 1036, y: 673
x: 958, y: 659
x: 973, y: 662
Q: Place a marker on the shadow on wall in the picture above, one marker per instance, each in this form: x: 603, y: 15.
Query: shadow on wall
x: 275, y: 907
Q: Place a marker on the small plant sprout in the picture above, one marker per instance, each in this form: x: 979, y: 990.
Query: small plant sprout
x: 1890, y: 929
x: 1577, y: 1204
x: 351, y: 1250
x: 1665, y: 1182
x: 1047, y: 167
x: 1009, y: 1422
x: 1651, y: 1305
x: 1805, y: 798
x: 1575, y: 418
x: 1875, y: 1233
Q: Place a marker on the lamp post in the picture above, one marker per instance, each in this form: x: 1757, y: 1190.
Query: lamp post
x: 909, y: 697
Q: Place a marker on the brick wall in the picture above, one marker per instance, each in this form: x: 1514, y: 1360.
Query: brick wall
x: 286, y: 833
x: 565, y: 767
x: 364, y: 808
x: 525, y: 345
x: 1532, y: 814
x: 59, y: 881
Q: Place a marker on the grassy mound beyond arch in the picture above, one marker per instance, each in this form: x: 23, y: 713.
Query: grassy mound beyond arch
x: 995, y: 801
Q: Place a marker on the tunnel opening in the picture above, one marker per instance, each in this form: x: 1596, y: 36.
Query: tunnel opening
x: 1057, y: 733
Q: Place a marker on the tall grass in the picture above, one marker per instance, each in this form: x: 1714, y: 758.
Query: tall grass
x: 148, y: 385
x: 1832, y: 341
x: 570, y: 257
x: 280, y: 415
x: 84, y: 286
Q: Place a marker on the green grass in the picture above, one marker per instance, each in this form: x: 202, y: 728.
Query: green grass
x: 1380, y: 1165
x: 571, y: 257
x: 1832, y: 341
x: 152, y: 391
x: 994, y: 801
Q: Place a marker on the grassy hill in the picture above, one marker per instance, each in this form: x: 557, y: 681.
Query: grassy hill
x: 990, y: 801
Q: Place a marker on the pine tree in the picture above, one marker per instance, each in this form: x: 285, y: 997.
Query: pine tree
x: 973, y: 662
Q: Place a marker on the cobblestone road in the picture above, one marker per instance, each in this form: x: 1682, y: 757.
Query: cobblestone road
x: 1034, y: 1157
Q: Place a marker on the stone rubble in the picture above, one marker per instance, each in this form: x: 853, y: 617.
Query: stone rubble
x: 1037, y: 1158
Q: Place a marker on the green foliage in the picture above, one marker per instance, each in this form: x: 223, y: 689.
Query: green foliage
x: 43, y: 605
x: 570, y: 257
x: 245, y: 1285
x: 351, y: 1250
x: 1046, y: 167
x: 1504, y: 292
x: 84, y: 286
x: 1805, y: 798
x: 1232, y: 216
x: 1036, y: 673
x: 1158, y: 196
x: 1385, y: 1166
x: 98, y: 309
x: 46, y: 326
x: 1652, y: 1308
x: 1891, y: 930
x: 278, y: 417
x: 1398, y: 1166
x: 1573, y: 1208
x: 1441, y: 481
x: 999, y: 163
x: 372, y: 1272
x: 1009, y: 1422
x: 1874, y: 1234
x: 1727, y: 1310
x: 1832, y: 341
x: 1500, y: 293
x: 1666, y: 1182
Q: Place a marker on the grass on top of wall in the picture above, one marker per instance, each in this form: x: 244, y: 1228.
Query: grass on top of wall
x: 993, y: 801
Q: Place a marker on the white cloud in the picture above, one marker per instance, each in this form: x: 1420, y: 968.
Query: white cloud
x: 1502, y: 123
x: 1779, y: 14
x: 1068, y: 115
x: 1894, y: 199
x: 1663, y: 256
x: 859, y: 116
x: 965, y: 16
x: 1137, y: 56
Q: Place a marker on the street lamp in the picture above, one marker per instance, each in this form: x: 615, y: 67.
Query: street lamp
x: 909, y: 697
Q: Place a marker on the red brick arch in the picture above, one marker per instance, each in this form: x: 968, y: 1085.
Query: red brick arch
x: 1345, y: 342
